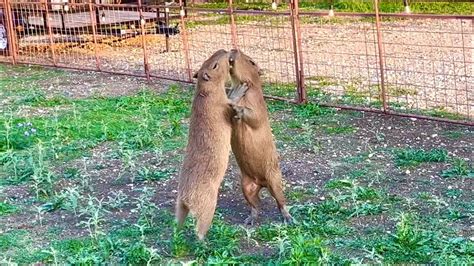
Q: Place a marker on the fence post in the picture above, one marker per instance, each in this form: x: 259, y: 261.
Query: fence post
x: 97, y: 15
x: 94, y: 34
x: 50, y: 33
x: 298, y: 54
x: 142, y: 30
x: 167, y: 25
x: 11, y: 34
x: 407, y: 6
x: 184, y: 36
x: 233, y: 27
x: 381, y: 57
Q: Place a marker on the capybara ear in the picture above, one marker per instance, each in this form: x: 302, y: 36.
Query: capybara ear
x: 261, y: 72
x: 206, y: 77
x: 195, y: 75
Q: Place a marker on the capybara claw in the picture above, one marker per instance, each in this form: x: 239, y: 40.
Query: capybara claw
x: 289, y: 220
x: 250, y: 221
x: 237, y: 93
x: 239, y: 111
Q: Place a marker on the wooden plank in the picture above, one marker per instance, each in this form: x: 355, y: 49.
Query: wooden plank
x: 82, y: 19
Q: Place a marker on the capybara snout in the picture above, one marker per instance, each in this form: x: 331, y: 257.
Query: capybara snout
x: 243, y: 69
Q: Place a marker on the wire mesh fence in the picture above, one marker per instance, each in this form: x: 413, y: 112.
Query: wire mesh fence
x: 405, y: 64
x: 3, y: 36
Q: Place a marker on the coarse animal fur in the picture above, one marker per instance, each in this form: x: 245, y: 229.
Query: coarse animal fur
x: 252, y: 140
x: 208, y: 148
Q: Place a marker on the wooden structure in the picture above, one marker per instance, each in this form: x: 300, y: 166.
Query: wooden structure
x: 65, y: 16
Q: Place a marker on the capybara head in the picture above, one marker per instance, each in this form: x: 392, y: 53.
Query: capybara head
x: 215, y: 68
x: 243, y: 69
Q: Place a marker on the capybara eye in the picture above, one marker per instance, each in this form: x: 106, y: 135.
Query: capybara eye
x: 252, y: 62
x: 215, y: 66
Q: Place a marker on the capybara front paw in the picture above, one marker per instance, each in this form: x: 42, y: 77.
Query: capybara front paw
x: 239, y: 111
x: 238, y: 92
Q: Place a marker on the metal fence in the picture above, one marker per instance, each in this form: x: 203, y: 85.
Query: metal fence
x: 402, y: 64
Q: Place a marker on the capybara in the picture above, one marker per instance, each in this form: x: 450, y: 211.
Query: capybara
x: 208, y: 147
x: 252, y: 140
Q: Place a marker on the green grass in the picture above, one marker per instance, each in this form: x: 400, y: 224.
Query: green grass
x: 453, y: 134
x: 459, y: 168
x: 339, y: 6
x: 357, y: 6
x: 7, y: 208
x: 11, y: 239
x: 300, y: 193
x: 356, y: 214
x: 312, y: 110
x: 442, y: 113
x: 15, y: 77
x: 414, y: 241
x: 339, y: 129
x: 414, y: 157
x: 141, y: 121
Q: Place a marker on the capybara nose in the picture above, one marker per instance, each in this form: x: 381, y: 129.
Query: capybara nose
x: 232, y: 55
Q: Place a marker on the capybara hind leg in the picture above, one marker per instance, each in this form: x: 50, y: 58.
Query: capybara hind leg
x: 204, y: 221
x: 181, y: 212
x: 251, y: 193
x: 276, y: 189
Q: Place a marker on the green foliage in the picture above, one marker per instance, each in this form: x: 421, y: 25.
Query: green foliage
x: 7, y: 208
x: 386, y: 6
x: 453, y: 134
x: 459, y: 168
x: 154, y: 175
x: 339, y: 129
x: 141, y: 121
x: 443, y: 8
x: 310, y: 110
x: 352, y: 218
x: 138, y: 120
x: 414, y: 157
x: 10, y: 239
x: 442, y: 113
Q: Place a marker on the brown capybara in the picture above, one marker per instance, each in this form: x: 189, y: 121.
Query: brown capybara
x: 252, y: 140
x: 208, y: 148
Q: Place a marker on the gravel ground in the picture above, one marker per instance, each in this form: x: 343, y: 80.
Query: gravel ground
x: 429, y: 63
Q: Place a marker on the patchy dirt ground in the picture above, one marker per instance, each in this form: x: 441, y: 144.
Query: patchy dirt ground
x: 325, y: 154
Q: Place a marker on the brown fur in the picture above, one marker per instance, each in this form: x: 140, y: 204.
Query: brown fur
x: 208, y: 148
x: 252, y: 140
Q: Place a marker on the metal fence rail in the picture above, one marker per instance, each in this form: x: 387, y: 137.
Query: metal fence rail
x: 402, y: 64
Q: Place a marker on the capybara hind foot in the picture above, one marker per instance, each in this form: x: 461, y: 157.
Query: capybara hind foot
x: 287, y: 218
x: 181, y: 212
x: 253, y: 217
x: 204, y: 221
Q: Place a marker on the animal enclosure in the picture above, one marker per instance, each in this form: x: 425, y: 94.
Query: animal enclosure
x: 407, y: 64
x: 90, y: 160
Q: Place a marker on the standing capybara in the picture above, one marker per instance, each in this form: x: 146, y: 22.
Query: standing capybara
x: 252, y: 140
x: 208, y: 148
